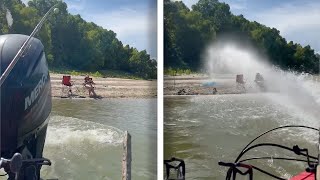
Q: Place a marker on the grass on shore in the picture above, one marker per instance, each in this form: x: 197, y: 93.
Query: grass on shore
x: 101, y: 73
x: 175, y: 72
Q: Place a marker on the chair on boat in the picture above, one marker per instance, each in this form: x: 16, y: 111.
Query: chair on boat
x: 66, y: 83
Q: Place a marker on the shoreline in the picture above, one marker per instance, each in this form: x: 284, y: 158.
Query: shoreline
x: 102, y: 98
x: 104, y: 88
x: 200, y: 84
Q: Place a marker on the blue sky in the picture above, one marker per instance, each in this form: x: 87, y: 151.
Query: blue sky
x: 298, y: 21
x: 134, y: 22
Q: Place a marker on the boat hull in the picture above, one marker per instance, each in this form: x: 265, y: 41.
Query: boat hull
x: 304, y: 176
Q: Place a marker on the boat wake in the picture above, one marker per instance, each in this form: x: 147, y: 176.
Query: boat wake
x: 68, y: 130
x: 74, y: 145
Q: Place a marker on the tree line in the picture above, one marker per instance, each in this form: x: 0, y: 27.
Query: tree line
x: 71, y: 42
x: 188, y: 31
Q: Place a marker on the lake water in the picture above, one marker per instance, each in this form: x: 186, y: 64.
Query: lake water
x: 84, y: 138
x: 204, y: 130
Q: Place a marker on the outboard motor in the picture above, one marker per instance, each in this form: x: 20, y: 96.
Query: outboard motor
x: 25, y: 102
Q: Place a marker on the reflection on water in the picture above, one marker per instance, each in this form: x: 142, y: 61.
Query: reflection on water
x: 84, y: 138
x: 203, y: 130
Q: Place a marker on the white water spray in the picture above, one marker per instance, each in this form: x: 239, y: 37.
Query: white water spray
x: 72, y: 131
x: 298, y: 92
x: 80, y: 149
x: 9, y: 18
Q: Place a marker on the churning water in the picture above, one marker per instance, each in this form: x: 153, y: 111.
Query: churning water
x: 84, y: 138
x: 206, y: 129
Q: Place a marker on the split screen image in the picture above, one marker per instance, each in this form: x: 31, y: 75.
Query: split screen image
x: 80, y: 97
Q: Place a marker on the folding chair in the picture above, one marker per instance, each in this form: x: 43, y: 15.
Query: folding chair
x: 240, y: 82
x: 66, y: 83
x: 239, y: 79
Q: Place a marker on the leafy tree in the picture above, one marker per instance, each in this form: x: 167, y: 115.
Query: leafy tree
x: 187, y: 33
x: 71, y: 42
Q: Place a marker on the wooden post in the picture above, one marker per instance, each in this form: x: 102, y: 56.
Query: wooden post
x: 126, y: 158
x: 174, y: 79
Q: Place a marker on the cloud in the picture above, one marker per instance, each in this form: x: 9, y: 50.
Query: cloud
x: 125, y: 22
x: 237, y: 4
x: 188, y: 3
x: 137, y: 28
x: 77, y: 5
x: 297, y: 22
x: 234, y: 4
x: 290, y: 17
x: 25, y: 1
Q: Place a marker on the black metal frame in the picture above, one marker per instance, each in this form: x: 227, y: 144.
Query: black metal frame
x: 16, y: 166
x: 233, y: 167
x: 180, y: 167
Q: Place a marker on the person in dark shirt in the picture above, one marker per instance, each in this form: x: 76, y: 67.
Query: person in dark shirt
x: 259, y: 78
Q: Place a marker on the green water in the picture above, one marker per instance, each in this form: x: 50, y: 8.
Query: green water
x: 204, y: 130
x: 84, y: 139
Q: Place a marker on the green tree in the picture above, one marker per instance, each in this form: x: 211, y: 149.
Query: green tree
x: 187, y: 33
x: 71, y: 42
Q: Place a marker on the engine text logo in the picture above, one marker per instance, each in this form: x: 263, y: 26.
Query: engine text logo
x: 35, y: 92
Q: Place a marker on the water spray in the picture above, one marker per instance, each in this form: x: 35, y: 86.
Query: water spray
x: 296, y: 91
x: 25, y: 44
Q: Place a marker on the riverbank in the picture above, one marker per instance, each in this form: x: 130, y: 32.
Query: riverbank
x: 201, y: 84
x: 105, y: 87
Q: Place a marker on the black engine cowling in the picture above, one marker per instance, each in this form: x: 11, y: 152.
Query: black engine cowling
x: 25, y: 96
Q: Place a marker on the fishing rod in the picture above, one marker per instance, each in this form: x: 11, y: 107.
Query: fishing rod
x: 25, y: 44
x: 25, y: 99
x: 318, y: 166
